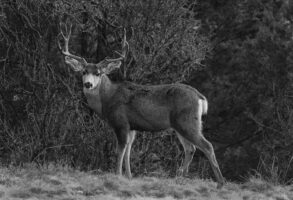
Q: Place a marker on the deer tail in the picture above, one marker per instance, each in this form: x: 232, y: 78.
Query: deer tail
x: 203, y: 105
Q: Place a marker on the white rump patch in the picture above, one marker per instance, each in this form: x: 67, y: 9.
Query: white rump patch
x: 202, y: 109
x: 203, y: 104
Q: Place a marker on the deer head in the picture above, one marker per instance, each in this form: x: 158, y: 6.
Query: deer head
x: 91, y: 72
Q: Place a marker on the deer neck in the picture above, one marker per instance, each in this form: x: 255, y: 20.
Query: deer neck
x: 101, y: 94
x: 107, y: 89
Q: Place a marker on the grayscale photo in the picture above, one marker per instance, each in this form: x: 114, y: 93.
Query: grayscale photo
x: 146, y: 99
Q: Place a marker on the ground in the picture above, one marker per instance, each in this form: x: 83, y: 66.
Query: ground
x: 63, y: 183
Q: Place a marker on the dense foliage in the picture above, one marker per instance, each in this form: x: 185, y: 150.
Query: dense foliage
x: 237, y: 53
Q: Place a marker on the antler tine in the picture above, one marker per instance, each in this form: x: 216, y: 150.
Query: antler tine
x: 66, y: 38
x: 125, y: 47
x: 125, y: 43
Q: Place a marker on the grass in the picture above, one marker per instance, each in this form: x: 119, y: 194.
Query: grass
x: 63, y: 183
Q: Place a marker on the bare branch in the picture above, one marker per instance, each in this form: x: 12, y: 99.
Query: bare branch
x: 125, y: 47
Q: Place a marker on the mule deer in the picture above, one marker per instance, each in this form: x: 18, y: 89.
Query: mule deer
x: 127, y: 107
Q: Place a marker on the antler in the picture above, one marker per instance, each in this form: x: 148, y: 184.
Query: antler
x: 125, y: 47
x: 66, y: 38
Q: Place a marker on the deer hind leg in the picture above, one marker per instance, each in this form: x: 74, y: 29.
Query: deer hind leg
x: 189, y: 150
x: 208, y: 150
x: 131, y: 137
x: 191, y: 131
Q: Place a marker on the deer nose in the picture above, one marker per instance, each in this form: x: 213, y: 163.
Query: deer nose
x: 88, y: 85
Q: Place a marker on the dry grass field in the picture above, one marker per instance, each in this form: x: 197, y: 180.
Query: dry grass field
x: 63, y: 183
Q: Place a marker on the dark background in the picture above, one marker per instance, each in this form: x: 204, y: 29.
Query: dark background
x: 237, y: 53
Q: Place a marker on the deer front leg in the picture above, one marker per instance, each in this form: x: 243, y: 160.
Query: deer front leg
x: 122, y: 137
x: 131, y: 138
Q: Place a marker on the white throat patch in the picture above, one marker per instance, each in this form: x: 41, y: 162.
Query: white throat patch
x: 94, y: 80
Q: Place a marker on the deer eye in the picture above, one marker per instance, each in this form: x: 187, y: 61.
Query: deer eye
x: 97, y: 73
x: 84, y: 72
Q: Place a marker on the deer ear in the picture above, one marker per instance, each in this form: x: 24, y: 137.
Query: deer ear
x: 75, y: 64
x: 111, y: 66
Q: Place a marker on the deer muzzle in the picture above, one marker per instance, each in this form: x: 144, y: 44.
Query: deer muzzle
x: 88, y: 85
